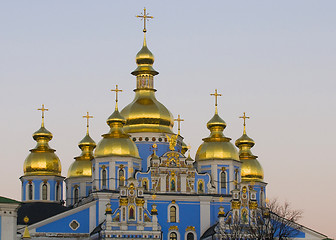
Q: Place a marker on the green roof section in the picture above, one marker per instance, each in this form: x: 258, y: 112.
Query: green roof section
x: 8, y: 200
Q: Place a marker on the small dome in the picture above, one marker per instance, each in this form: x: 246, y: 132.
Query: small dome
x: 144, y: 56
x: 216, y: 146
x: 251, y: 169
x: 42, y: 160
x: 82, y: 167
x: 116, y: 142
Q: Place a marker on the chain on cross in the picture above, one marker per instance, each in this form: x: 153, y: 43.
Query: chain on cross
x: 145, y: 18
x: 42, y: 109
x: 87, y: 116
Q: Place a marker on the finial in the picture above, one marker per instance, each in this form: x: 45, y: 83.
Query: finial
x: 145, y: 18
x: 216, y: 98
x: 154, y: 147
x: 87, y: 116
x: 116, y: 90
x: 179, y: 120
x: 244, y: 117
x: 42, y: 109
x: 189, y: 147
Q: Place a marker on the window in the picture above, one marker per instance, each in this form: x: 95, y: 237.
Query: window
x: 173, y: 236
x: 190, y: 236
x: 172, y: 211
x: 131, y: 214
x: 30, y: 191
x: 104, y: 178
x: 76, y: 195
x: 200, y: 187
x: 145, y: 184
x: 44, y: 191
x: 172, y: 185
x: 57, y: 192
x: 223, y: 179
x: 121, y: 177
x: 236, y: 178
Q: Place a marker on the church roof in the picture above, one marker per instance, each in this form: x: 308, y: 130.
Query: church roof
x: 38, y: 211
x: 8, y: 200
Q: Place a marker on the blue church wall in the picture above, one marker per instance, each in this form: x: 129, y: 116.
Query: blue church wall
x: 62, y: 225
x: 97, y: 213
x: 206, y: 180
x: 147, y: 175
x: 146, y: 149
x: 189, y: 215
x: 214, y: 209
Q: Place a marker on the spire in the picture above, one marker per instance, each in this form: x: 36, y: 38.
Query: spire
x: 87, y: 116
x: 244, y: 117
x: 245, y: 143
x: 87, y: 144
x: 216, y: 95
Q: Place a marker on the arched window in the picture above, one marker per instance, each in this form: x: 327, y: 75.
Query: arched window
x: 131, y: 214
x: 173, y: 236
x: 172, y: 185
x: 30, y: 191
x: 145, y: 184
x: 76, y: 195
x: 44, y: 191
x: 121, y: 177
x: 57, y: 192
x: 223, y: 179
x: 200, y: 187
x: 190, y: 236
x: 104, y: 178
x: 236, y: 178
x: 172, y: 211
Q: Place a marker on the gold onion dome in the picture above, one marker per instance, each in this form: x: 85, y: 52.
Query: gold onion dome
x: 82, y: 166
x: 42, y: 159
x: 216, y: 146
x: 116, y: 142
x: 251, y: 169
x: 145, y: 113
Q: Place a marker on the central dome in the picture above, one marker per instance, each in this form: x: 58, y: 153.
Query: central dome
x: 147, y: 114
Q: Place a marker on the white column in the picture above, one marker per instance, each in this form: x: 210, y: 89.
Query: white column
x: 204, y: 213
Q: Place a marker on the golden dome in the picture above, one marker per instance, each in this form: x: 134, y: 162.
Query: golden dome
x: 42, y: 160
x: 116, y: 142
x: 145, y: 113
x: 251, y: 170
x: 216, y: 146
x: 82, y: 167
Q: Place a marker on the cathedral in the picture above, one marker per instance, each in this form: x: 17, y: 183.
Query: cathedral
x: 139, y: 180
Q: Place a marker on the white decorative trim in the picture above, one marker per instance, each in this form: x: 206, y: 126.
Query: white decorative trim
x: 27, y: 191
x: 190, y: 231
x: 75, y: 222
x: 174, y: 231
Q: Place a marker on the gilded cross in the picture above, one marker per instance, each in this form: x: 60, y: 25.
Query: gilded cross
x: 42, y: 109
x: 87, y: 116
x: 179, y: 120
x: 244, y: 117
x: 116, y: 90
x: 145, y: 18
x: 216, y: 95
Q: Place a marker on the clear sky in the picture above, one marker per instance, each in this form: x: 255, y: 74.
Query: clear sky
x: 274, y: 60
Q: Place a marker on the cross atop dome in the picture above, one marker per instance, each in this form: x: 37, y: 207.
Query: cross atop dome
x: 179, y: 120
x: 87, y: 116
x: 216, y: 95
x: 145, y: 18
x: 116, y: 90
x: 42, y: 109
x: 244, y: 117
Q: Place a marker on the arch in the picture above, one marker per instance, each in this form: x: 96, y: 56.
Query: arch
x: 145, y: 184
x: 76, y: 194
x: 58, y: 192
x: 173, y: 213
x: 131, y: 213
x: 200, y: 186
x: 172, y: 236
x: 121, y: 177
x: 104, y: 178
x: 30, y: 194
x: 190, y: 236
x: 44, y: 191
x: 223, y: 179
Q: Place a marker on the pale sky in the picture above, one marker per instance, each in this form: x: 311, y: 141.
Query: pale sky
x: 274, y: 60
